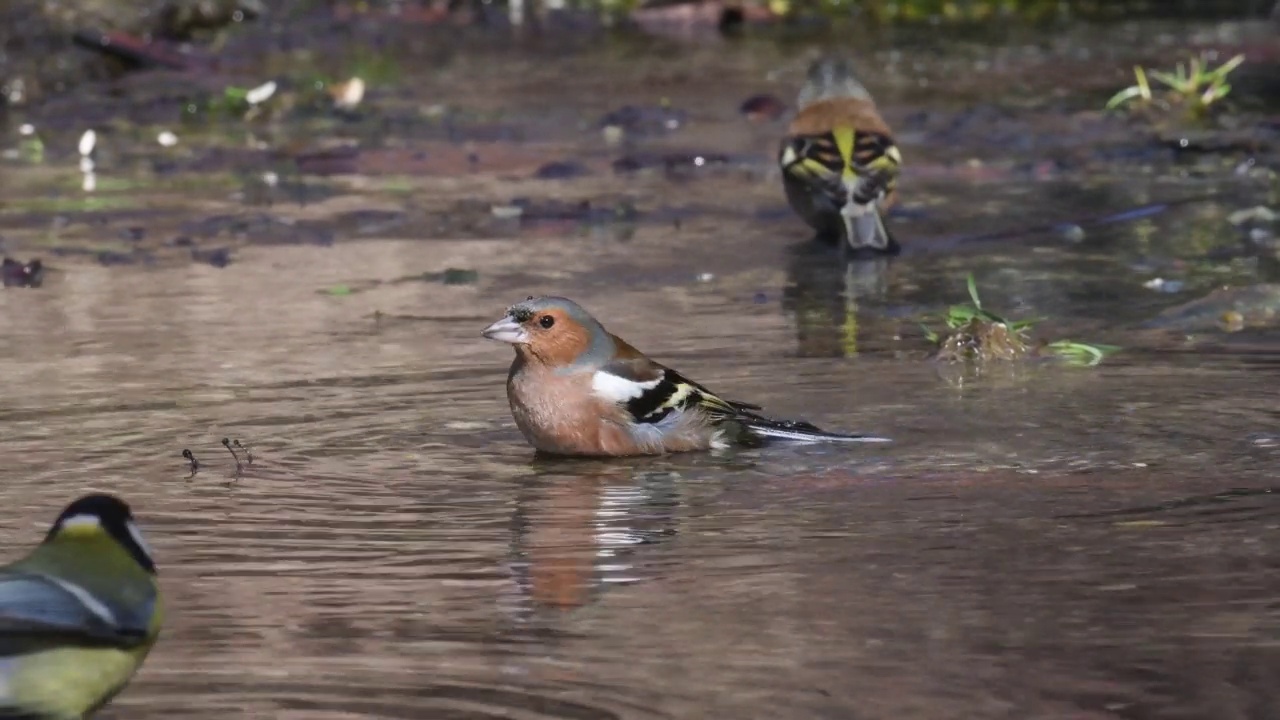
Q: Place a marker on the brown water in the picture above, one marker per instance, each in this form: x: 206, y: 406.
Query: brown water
x: 1054, y: 542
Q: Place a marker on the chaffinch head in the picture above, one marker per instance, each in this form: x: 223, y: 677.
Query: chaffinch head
x: 839, y: 162
x: 577, y: 389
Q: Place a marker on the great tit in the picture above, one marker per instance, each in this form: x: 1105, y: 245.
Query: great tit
x: 839, y: 161
x: 78, y: 615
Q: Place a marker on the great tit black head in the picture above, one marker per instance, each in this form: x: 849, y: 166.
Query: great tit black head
x: 100, y: 513
x: 78, y: 614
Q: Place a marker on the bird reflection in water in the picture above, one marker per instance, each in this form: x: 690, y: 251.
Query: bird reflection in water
x: 575, y: 528
x: 828, y: 297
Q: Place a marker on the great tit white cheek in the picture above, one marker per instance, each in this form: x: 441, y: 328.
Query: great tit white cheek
x: 136, y: 534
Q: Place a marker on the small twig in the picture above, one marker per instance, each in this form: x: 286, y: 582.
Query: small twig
x: 226, y: 443
x: 245, y: 448
x: 195, y: 464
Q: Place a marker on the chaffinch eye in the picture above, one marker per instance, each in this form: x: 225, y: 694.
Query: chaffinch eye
x: 546, y: 321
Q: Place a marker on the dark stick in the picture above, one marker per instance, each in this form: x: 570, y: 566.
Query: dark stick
x: 226, y: 443
x: 195, y: 464
x: 245, y: 448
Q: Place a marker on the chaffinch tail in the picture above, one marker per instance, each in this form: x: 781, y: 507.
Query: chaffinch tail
x: 577, y: 389
x: 839, y: 161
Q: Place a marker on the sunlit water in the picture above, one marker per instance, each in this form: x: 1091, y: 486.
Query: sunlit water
x: 1054, y: 542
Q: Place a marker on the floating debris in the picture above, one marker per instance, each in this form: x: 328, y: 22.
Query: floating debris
x: 561, y: 170
x: 1258, y: 214
x: 194, y: 463
x: 1072, y: 233
x: 347, y: 95
x: 88, y: 141
x: 506, y: 212
x: 232, y: 446
x: 1165, y: 286
x: 976, y: 336
x: 226, y: 443
x: 460, y: 276
x: 14, y: 273
x: 261, y: 94
x: 217, y: 257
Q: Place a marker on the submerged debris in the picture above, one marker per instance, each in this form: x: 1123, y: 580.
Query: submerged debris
x: 983, y: 340
x: 218, y: 257
x: 976, y: 336
x: 183, y: 19
x: 638, y: 120
x: 561, y: 170
x: 762, y: 108
x: 1260, y: 227
x: 1230, y: 309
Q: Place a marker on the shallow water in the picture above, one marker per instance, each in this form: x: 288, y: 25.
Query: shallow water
x: 1054, y: 542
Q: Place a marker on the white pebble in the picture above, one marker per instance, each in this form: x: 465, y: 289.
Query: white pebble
x: 27, y: 129
x: 87, y: 142
x: 261, y: 93
x: 167, y: 139
x: 350, y: 95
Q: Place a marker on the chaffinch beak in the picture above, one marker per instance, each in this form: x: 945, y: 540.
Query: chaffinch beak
x: 507, y: 330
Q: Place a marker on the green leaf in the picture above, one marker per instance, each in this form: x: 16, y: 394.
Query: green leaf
x: 1144, y: 85
x: 1216, y: 92
x: 1173, y: 81
x: 960, y: 315
x: 1228, y: 66
x: 929, y: 334
x: 973, y: 292
x: 992, y: 317
x: 1126, y: 95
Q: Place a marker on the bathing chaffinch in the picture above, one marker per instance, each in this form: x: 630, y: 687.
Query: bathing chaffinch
x: 839, y: 161
x: 577, y: 389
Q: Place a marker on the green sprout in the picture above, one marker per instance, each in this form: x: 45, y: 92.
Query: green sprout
x: 1193, y: 84
x: 974, y: 333
x: 958, y: 316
